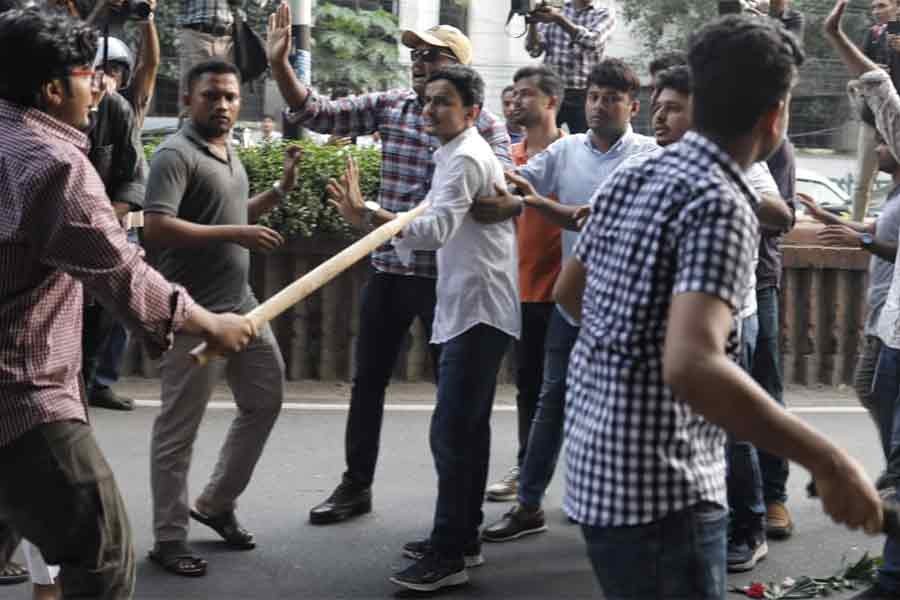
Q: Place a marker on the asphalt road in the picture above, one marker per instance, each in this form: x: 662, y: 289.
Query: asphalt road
x: 303, y: 462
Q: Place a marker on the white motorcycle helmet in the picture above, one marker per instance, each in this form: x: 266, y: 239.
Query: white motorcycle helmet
x: 118, y: 52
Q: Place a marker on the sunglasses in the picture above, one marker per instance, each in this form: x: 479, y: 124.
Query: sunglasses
x: 96, y: 75
x: 429, y: 55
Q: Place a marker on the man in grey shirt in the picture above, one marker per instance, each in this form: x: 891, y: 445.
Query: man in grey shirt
x: 197, y: 213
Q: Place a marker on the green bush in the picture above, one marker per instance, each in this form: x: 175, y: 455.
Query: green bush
x: 305, y: 212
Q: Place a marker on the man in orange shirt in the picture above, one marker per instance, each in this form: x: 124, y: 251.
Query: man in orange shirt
x: 538, y: 92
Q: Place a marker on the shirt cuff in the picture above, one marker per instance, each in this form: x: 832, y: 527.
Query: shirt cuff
x: 302, y: 112
x: 181, y: 306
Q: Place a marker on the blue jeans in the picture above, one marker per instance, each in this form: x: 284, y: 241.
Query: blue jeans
x: 885, y: 403
x: 461, y: 434
x: 767, y: 372
x: 546, y: 435
x: 745, y: 488
x: 682, y: 556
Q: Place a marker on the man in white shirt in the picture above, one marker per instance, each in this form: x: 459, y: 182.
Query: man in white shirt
x: 477, y: 315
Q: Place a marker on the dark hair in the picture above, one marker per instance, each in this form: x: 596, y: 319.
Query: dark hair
x: 614, y: 73
x: 676, y: 78
x: 52, y: 43
x: 742, y: 67
x: 466, y: 80
x: 268, y: 116
x: 508, y: 89
x: 666, y: 61
x: 547, y: 79
x: 215, y: 66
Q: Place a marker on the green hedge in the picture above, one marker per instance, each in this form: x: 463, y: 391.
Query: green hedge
x: 305, y: 212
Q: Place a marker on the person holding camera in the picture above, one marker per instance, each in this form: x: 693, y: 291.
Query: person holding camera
x: 205, y: 30
x: 572, y: 40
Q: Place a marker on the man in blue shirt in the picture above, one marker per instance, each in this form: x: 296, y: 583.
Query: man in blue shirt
x: 571, y: 169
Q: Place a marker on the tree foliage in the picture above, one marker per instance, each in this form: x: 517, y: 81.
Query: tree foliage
x: 667, y: 24
x: 355, y: 49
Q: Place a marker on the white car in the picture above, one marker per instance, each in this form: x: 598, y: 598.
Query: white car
x: 825, y: 192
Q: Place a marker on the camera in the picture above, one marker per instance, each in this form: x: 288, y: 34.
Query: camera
x: 526, y: 7
x: 523, y: 7
x: 135, y: 9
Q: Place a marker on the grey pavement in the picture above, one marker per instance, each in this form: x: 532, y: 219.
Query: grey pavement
x: 303, y: 462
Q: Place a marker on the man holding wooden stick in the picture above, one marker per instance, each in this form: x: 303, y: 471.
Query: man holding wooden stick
x: 396, y: 293
x: 197, y: 212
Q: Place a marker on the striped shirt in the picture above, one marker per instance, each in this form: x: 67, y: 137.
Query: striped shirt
x: 57, y: 233
x: 573, y: 57
x: 407, y: 164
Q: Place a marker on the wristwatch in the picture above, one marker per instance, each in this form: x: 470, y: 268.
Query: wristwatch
x: 372, y: 209
x: 279, y: 191
x: 866, y: 240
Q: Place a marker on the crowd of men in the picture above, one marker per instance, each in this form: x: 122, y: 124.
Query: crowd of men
x: 636, y: 276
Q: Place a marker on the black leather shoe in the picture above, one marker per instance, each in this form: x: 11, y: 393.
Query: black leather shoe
x: 104, y: 397
x: 347, y: 500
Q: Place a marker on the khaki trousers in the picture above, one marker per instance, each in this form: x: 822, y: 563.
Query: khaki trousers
x: 256, y: 379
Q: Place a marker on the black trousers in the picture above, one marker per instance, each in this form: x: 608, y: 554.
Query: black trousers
x: 58, y: 491
x: 389, y: 305
x: 530, y: 367
x: 572, y: 111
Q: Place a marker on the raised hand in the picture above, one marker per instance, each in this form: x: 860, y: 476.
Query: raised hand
x: 346, y: 197
x: 292, y: 156
x: 278, y: 36
x: 832, y: 23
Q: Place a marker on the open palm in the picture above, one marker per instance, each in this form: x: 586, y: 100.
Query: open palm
x: 278, y: 35
x: 345, y: 195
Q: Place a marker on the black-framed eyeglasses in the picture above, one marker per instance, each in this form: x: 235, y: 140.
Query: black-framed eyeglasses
x: 429, y: 55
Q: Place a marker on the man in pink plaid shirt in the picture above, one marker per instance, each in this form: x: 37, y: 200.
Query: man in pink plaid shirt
x: 58, y: 233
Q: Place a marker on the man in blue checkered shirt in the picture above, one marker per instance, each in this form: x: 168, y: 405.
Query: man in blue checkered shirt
x: 572, y: 40
x: 661, y: 265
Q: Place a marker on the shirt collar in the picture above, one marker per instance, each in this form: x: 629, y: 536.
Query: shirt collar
x: 193, y: 134
x: 712, y: 152
x: 455, y: 143
x: 44, y: 123
x: 620, y: 144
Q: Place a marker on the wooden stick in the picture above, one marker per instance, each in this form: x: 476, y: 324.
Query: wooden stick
x: 315, y: 279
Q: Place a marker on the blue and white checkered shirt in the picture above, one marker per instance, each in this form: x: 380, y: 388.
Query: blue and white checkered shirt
x: 573, y: 57
x: 681, y: 222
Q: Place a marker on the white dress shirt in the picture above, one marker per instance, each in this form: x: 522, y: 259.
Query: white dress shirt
x: 477, y: 264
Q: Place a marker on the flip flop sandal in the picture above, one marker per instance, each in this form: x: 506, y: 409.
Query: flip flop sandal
x: 226, y: 525
x: 180, y: 563
x: 13, y: 573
